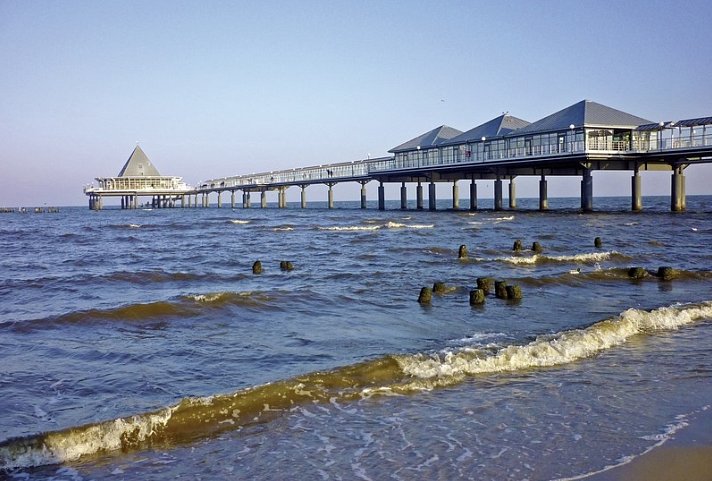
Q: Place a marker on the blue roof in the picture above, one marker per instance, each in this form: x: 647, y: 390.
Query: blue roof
x: 429, y: 139
x: 502, y: 125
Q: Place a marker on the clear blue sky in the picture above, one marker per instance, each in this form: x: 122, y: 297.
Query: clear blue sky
x: 220, y: 88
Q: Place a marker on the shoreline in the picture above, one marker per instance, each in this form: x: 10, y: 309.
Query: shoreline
x: 685, y: 456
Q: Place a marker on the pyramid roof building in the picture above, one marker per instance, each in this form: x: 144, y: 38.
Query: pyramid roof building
x: 584, y: 113
x: 138, y: 165
x: 429, y: 139
x: 499, y: 126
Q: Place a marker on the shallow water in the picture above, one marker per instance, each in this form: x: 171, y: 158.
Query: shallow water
x: 138, y: 344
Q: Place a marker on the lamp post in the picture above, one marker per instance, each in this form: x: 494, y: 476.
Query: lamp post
x: 418, y: 149
x: 572, y: 127
x: 483, y: 148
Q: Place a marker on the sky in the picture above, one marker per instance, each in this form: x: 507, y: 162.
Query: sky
x: 217, y: 88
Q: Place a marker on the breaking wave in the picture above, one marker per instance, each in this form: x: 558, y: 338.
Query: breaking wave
x: 373, y: 227
x: 196, y: 418
x: 586, y: 258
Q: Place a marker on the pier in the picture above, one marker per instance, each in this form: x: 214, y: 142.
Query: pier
x: 576, y: 141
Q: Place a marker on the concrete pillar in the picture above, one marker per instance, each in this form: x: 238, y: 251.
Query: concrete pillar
x: 432, y: 196
x: 677, y: 191
x: 304, y: 197
x: 498, y: 194
x: 219, y: 199
x: 512, y: 194
x: 455, y: 195
x: 331, y: 196
x: 135, y: 202
x: 182, y: 201
x: 404, y: 196
x: 263, y: 199
x: 543, y: 194
x: 636, y: 192
x: 244, y: 199
x: 232, y: 199
x: 123, y: 200
x: 248, y: 201
x: 381, y: 197
x: 363, y: 195
x: 473, y: 195
x: 419, y: 196
x: 587, y: 191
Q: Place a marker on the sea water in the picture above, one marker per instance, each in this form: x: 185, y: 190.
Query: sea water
x: 138, y: 344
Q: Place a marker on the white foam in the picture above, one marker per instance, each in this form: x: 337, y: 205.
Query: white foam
x: 585, y: 258
x: 239, y: 221
x: 387, y: 225
x: 562, y: 348
x: 134, y: 226
x: 62, y: 446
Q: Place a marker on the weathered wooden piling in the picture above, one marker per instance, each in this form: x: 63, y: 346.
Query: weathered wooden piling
x: 637, y: 273
x: 667, y: 273
x: 257, y: 267
x: 426, y: 295
x: 439, y: 287
x: 514, y: 292
x: 517, y: 245
x: 500, y: 289
x: 477, y: 297
x: 462, y: 252
x: 486, y: 284
x: 286, y: 265
x: 597, y: 242
x: 536, y: 247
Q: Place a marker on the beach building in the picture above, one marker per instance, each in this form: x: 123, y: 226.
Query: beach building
x: 138, y: 177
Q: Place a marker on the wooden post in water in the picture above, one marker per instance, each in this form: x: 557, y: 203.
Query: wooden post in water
x: 419, y: 196
x: 404, y: 196
x: 363, y: 193
x: 587, y: 191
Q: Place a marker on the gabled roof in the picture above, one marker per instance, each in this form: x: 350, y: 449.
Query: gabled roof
x: 138, y: 165
x: 498, y: 126
x: 428, y: 139
x: 584, y: 113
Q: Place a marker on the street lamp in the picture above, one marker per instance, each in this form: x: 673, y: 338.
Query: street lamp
x: 483, y: 148
x: 572, y: 127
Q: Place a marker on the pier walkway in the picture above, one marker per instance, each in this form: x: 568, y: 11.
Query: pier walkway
x: 575, y: 141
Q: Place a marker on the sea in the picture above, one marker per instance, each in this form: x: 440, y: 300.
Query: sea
x: 140, y: 344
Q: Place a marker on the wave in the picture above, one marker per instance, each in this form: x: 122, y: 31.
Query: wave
x: 373, y: 227
x: 180, y: 307
x: 239, y: 221
x: 195, y: 418
x: 586, y: 258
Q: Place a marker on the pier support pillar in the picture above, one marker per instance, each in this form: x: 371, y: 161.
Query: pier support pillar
x: 331, y: 195
x: 232, y: 199
x: 543, y: 194
x: 263, y: 199
x: 283, y: 197
x: 473, y: 195
x: 677, y: 191
x: 381, y: 196
x: 247, y: 200
x: 419, y: 197
x: 195, y: 203
x: 219, y: 199
x: 455, y: 195
x: 432, y: 196
x: 404, y: 196
x: 636, y: 192
x: 498, y: 194
x: 587, y: 191
x: 123, y: 200
x: 182, y: 201
x: 512, y: 194
x: 363, y: 195
x: 304, y: 197
x: 135, y: 202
